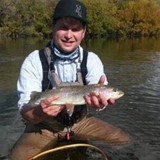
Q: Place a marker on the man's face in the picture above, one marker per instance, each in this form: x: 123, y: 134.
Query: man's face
x: 68, y: 33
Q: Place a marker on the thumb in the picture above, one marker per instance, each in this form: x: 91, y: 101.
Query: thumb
x: 102, y: 79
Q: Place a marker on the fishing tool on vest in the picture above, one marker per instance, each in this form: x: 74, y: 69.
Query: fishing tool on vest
x: 68, y: 121
x: 69, y: 133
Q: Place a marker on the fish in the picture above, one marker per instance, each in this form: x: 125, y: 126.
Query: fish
x: 74, y: 95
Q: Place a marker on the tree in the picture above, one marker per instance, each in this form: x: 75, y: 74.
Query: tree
x: 101, y: 21
x: 140, y: 17
x: 23, y: 17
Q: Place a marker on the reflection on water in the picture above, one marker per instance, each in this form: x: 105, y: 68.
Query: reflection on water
x: 131, y: 65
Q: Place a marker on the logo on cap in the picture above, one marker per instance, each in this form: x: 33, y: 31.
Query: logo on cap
x: 79, y: 10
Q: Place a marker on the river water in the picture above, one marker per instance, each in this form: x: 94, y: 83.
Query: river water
x: 131, y: 65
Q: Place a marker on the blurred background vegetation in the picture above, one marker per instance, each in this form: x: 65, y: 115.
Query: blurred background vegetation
x: 106, y: 18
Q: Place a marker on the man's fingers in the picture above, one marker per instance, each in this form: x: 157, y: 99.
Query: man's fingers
x: 111, y: 101
x: 92, y: 100
x: 95, y: 101
x: 102, y: 100
x: 47, y: 102
x: 53, y: 110
x: 88, y: 100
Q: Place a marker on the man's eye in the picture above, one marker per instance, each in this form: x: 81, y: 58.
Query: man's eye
x: 76, y: 29
x: 64, y: 28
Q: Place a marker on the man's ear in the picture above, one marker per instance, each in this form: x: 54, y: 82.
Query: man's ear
x: 84, y: 32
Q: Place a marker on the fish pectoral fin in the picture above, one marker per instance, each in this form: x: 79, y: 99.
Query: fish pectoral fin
x: 70, y: 109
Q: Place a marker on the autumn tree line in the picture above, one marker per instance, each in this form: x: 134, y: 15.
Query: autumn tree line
x: 106, y: 18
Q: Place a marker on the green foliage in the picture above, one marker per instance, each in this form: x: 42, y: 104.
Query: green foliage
x: 105, y: 17
x: 101, y: 21
x: 119, y: 3
x: 29, y: 18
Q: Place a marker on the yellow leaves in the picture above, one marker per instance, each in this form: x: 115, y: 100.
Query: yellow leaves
x: 140, y: 17
x: 127, y: 17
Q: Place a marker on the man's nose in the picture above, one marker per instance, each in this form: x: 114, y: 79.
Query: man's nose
x: 68, y: 34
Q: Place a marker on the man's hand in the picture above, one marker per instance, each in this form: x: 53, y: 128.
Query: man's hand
x: 49, y: 109
x: 98, y: 101
x: 37, y: 114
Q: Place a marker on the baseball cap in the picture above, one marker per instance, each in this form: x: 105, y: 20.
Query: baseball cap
x: 70, y: 8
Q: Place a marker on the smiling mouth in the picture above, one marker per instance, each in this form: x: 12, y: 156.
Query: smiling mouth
x: 64, y: 41
x: 67, y: 43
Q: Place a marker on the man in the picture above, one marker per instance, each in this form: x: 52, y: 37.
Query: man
x: 46, y: 123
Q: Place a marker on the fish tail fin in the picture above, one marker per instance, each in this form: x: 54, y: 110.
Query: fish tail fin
x: 35, y: 95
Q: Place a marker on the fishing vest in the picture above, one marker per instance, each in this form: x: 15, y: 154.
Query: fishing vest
x: 48, y: 59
